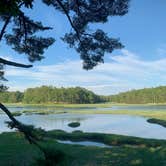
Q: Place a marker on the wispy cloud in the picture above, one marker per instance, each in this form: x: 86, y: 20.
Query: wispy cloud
x: 122, y: 72
x: 161, y: 51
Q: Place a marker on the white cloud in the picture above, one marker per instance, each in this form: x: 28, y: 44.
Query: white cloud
x: 123, y: 72
x: 161, y: 51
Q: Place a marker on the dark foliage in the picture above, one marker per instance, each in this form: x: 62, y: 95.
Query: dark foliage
x: 90, y: 44
x: 53, y: 157
x: 2, y: 87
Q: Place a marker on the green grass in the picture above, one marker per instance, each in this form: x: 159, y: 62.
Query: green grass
x: 15, y: 150
x: 127, y: 151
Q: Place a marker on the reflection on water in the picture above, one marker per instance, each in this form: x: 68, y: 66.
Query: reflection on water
x: 85, y: 143
x: 116, y: 124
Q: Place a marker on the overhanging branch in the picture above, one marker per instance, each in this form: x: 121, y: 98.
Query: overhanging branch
x: 69, y: 18
x: 4, y: 27
x: 10, y: 63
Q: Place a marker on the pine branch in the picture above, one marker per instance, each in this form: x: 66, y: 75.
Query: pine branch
x: 10, y: 63
x: 8, y: 113
x: 70, y: 20
x: 7, y: 22
x: 4, y: 27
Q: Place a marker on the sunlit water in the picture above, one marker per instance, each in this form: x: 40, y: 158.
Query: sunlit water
x: 85, y: 143
x: 115, y: 124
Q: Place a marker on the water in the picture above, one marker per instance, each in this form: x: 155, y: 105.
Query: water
x: 31, y: 108
x: 113, y: 107
x: 85, y: 143
x: 100, y: 123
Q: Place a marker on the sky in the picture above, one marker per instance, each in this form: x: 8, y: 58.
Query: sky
x: 141, y: 64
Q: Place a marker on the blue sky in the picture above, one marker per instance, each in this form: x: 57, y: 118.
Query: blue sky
x: 140, y: 64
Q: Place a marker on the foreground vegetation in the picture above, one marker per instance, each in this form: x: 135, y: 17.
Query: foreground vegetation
x: 142, y: 96
x: 49, y: 94
x: 125, y: 151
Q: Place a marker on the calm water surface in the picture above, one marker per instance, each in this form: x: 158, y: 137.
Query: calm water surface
x: 85, y: 143
x: 116, y: 124
x: 114, y: 107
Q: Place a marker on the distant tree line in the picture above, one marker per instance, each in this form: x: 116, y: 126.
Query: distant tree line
x: 142, y: 96
x: 49, y: 94
x: 11, y: 97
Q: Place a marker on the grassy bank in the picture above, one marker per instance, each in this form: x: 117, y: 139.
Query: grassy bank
x: 88, y: 109
x: 127, y: 151
x: 61, y: 105
x: 108, y: 139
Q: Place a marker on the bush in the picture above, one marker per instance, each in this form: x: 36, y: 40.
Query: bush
x: 52, y: 157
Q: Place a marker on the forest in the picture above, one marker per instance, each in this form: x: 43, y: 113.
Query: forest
x: 141, y: 96
x: 79, y: 95
x: 49, y: 94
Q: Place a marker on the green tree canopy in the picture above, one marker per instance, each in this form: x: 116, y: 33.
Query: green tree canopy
x: 49, y: 94
x: 141, y: 96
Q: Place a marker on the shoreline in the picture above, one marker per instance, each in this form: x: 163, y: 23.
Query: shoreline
x: 107, y: 104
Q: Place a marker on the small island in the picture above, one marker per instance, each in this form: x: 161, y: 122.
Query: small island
x: 74, y: 124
